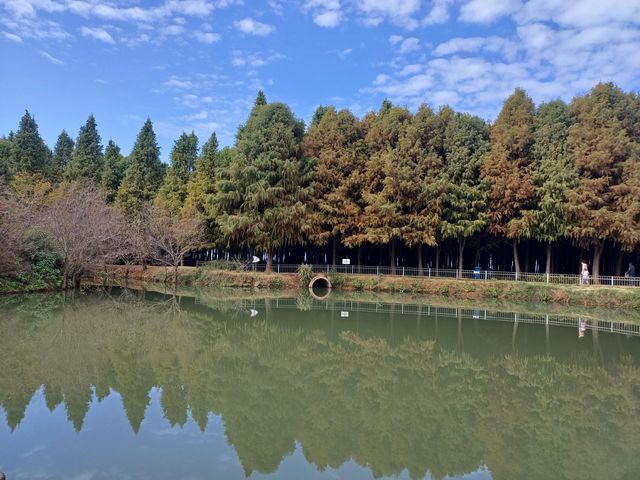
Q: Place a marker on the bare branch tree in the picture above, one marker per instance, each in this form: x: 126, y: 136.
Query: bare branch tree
x: 85, y: 230
x: 172, y: 236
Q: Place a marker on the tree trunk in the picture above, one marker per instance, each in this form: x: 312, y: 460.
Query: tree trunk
x: 547, y: 269
x: 437, y: 259
x: 65, y: 277
x: 269, y: 261
x: 76, y: 280
x: 516, y: 259
x: 175, y: 275
x: 144, y: 264
x: 359, y: 257
x: 619, y: 263
x: 461, y: 243
x: 419, y: 259
x: 597, y: 259
x: 334, y: 250
x: 527, y: 256
x: 393, y: 256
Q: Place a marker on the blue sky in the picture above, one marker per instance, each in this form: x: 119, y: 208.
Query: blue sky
x: 197, y: 64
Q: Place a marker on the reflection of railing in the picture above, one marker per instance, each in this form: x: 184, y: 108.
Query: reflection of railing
x: 461, y: 312
x: 552, y: 278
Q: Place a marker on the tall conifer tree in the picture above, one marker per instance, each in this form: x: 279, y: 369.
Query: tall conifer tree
x: 554, y: 175
x: 465, y: 196
x: 508, y: 169
x: 604, y: 144
x: 262, y: 201
x: 112, y: 171
x: 144, y: 172
x: 86, y: 160
x: 173, y: 191
x: 61, y: 156
x: 29, y: 152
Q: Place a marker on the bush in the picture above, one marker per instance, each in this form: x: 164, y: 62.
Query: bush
x: 276, y: 283
x: 358, y: 284
x: 229, y: 265
x: 305, y: 274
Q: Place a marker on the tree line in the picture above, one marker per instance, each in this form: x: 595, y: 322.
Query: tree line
x: 555, y: 172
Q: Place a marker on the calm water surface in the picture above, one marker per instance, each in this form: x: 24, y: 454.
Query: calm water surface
x: 138, y: 385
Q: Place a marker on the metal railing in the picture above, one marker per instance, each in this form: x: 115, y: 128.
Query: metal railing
x: 484, y: 275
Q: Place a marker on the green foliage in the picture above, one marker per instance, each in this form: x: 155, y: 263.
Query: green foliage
x: 113, y: 171
x: 358, y: 284
x: 173, y: 191
x: 144, y: 173
x: 305, y: 274
x: 61, y: 156
x: 230, y: 265
x: 29, y: 153
x: 261, y: 193
x: 276, y: 283
x: 492, y: 292
x: 86, y: 159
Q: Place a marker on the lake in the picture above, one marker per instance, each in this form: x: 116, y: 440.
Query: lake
x: 126, y: 384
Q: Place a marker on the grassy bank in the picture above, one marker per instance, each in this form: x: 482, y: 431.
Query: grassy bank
x: 566, y: 295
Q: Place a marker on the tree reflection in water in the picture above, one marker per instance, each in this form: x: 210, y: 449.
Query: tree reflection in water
x: 391, y: 392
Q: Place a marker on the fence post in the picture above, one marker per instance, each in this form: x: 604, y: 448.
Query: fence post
x: 403, y: 271
x: 547, y: 278
x: 612, y: 280
x: 278, y: 268
x: 377, y: 270
x: 429, y: 272
x: 516, y: 275
x: 486, y: 274
x: 327, y: 268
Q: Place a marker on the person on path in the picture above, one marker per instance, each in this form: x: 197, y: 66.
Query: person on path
x: 584, y: 274
x: 631, y: 271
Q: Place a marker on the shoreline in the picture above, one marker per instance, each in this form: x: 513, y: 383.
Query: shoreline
x: 592, y: 296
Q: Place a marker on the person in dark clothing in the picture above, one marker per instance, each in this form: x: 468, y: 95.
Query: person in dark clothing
x: 631, y: 270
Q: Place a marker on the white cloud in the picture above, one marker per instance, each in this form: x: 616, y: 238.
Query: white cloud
x: 51, y: 58
x: 486, y: 11
x: 493, y: 44
x: 409, y: 45
x: 206, y: 37
x: 381, y: 79
x: 173, y: 30
x: 328, y: 18
x: 250, y: 26
x: 394, y: 39
x: 97, y: 33
x: 177, y: 83
x: 13, y: 37
x: 580, y: 13
x: 438, y: 14
x: 253, y: 60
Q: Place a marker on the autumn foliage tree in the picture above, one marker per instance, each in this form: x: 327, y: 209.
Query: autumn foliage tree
x: 508, y: 170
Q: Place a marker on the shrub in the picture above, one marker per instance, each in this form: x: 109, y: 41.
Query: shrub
x: 233, y: 265
x: 305, y: 274
x: 276, y: 283
x: 358, y: 284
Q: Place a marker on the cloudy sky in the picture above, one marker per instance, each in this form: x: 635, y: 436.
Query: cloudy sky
x: 197, y: 64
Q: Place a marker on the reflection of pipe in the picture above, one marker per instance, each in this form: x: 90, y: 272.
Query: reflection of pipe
x: 546, y: 333
x: 320, y: 297
x: 515, y: 331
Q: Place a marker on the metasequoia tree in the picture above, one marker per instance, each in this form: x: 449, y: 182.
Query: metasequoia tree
x: 61, y: 156
x: 261, y: 200
x: 112, y: 171
x: 144, y: 172
x: 84, y: 230
x: 508, y: 170
x: 383, y: 218
x: 86, y: 159
x: 554, y: 175
x: 173, y: 191
x: 465, y: 206
x: 604, y: 142
x: 335, y: 142
x: 29, y: 153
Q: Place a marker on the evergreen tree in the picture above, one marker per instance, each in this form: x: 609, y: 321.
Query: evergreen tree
x: 603, y: 140
x: 29, y: 152
x: 6, y: 164
x: 465, y: 197
x: 173, y: 191
x: 261, y: 202
x: 86, y: 160
x: 261, y: 99
x: 420, y: 161
x: 554, y: 174
x: 144, y: 172
x: 202, y: 185
x: 317, y: 115
x: 383, y: 218
x: 508, y: 170
x: 112, y: 171
x: 336, y: 144
x: 61, y: 156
